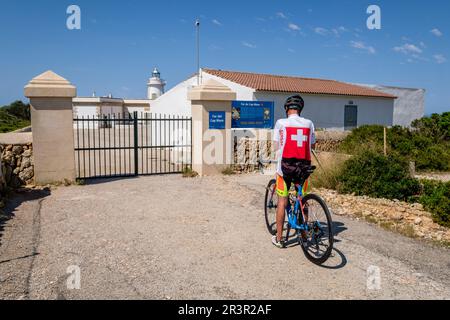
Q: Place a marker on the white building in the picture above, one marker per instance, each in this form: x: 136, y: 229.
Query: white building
x: 331, y: 104
x: 109, y: 106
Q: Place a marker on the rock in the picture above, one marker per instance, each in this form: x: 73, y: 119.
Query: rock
x: 27, y: 174
x: 420, y: 234
x: 367, y: 214
x: 27, y: 153
x: 17, y: 150
x: 26, y: 162
x: 9, y: 148
x: 418, y: 221
x: 16, y: 171
x: 397, y: 216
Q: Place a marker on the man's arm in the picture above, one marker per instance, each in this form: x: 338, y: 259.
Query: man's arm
x: 276, y: 138
x: 313, y: 137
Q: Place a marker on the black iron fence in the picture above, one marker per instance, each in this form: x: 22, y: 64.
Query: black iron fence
x: 121, y: 145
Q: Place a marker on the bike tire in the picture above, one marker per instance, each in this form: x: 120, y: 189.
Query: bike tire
x: 330, y: 232
x: 269, y: 211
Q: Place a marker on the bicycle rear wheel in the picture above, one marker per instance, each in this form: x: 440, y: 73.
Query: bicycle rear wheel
x: 270, y: 207
x: 319, y: 241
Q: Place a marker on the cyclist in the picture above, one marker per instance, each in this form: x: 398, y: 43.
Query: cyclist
x: 294, y: 137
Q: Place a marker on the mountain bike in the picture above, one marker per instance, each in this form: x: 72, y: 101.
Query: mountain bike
x: 308, y: 216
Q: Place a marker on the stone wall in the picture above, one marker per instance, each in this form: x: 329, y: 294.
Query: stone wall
x: 329, y: 141
x: 17, y: 165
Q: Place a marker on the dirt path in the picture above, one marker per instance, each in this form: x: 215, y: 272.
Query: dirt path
x: 173, y: 238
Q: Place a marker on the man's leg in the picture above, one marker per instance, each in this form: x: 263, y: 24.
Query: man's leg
x: 283, y: 194
x: 281, y: 215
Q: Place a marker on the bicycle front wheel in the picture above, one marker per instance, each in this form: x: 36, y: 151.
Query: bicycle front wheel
x: 317, y: 243
x: 270, y: 207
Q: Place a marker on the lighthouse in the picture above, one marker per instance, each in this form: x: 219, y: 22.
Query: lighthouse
x: 155, y: 85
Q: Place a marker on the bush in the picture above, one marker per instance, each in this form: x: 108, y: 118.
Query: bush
x: 189, y: 173
x: 15, y: 116
x: 427, y: 143
x: 375, y: 175
x: 19, y: 110
x: 367, y: 137
x: 436, y: 199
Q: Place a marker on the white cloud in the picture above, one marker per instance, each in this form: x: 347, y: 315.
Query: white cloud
x: 437, y: 32
x: 217, y: 22
x: 281, y: 15
x: 440, y: 58
x: 362, y: 46
x: 422, y: 44
x: 408, y: 48
x: 338, y: 31
x: 293, y: 27
x: 321, y: 31
x: 248, y: 45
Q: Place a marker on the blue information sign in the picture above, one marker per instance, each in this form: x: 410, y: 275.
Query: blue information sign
x: 217, y: 120
x: 252, y: 114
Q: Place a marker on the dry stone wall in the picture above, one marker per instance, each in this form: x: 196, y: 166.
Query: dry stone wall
x: 17, y: 165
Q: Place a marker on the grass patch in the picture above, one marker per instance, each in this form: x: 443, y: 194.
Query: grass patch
x: 189, y: 173
x: 228, y: 171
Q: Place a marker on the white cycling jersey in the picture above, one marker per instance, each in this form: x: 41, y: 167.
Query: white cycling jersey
x: 295, y: 136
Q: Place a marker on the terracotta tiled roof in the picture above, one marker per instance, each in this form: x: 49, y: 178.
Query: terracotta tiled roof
x: 274, y: 83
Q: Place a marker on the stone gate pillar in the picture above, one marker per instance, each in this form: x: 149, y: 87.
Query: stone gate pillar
x: 211, y: 127
x: 52, y: 126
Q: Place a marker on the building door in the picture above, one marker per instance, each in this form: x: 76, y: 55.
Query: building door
x: 351, y: 117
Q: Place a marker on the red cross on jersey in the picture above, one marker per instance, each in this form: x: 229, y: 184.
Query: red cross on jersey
x: 297, y: 143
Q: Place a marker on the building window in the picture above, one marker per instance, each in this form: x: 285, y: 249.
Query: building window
x: 351, y: 117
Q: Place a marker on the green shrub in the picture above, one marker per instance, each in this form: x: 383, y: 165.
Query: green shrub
x: 189, y: 173
x: 364, y: 137
x: 427, y: 143
x: 9, y: 123
x: 436, y: 199
x: 228, y: 171
x: 372, y: 174
x: 19, y: 110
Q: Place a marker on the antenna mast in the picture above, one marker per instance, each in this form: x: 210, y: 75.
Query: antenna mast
x: 197, y: 25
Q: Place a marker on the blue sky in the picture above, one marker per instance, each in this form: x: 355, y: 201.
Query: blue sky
x: 121, y: 41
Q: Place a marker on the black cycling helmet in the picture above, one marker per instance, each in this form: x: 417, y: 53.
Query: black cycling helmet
x: 294, y: 103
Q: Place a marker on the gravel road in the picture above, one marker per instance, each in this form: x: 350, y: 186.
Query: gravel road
x: 165, y: 237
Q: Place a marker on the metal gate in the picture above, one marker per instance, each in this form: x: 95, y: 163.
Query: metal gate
x: 123, y: 145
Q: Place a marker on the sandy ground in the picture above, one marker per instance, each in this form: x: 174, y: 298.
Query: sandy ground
x: 165, y: 237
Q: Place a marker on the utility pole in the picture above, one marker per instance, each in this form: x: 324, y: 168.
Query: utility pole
x: 197, y: 25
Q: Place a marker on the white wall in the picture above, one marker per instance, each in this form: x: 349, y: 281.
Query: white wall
x: 327, y: 112
x: 85, y: 111
x: 175, y: 101
x: 409, y: 105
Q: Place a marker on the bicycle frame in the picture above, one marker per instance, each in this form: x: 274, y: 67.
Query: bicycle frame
x: 298, y: 207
